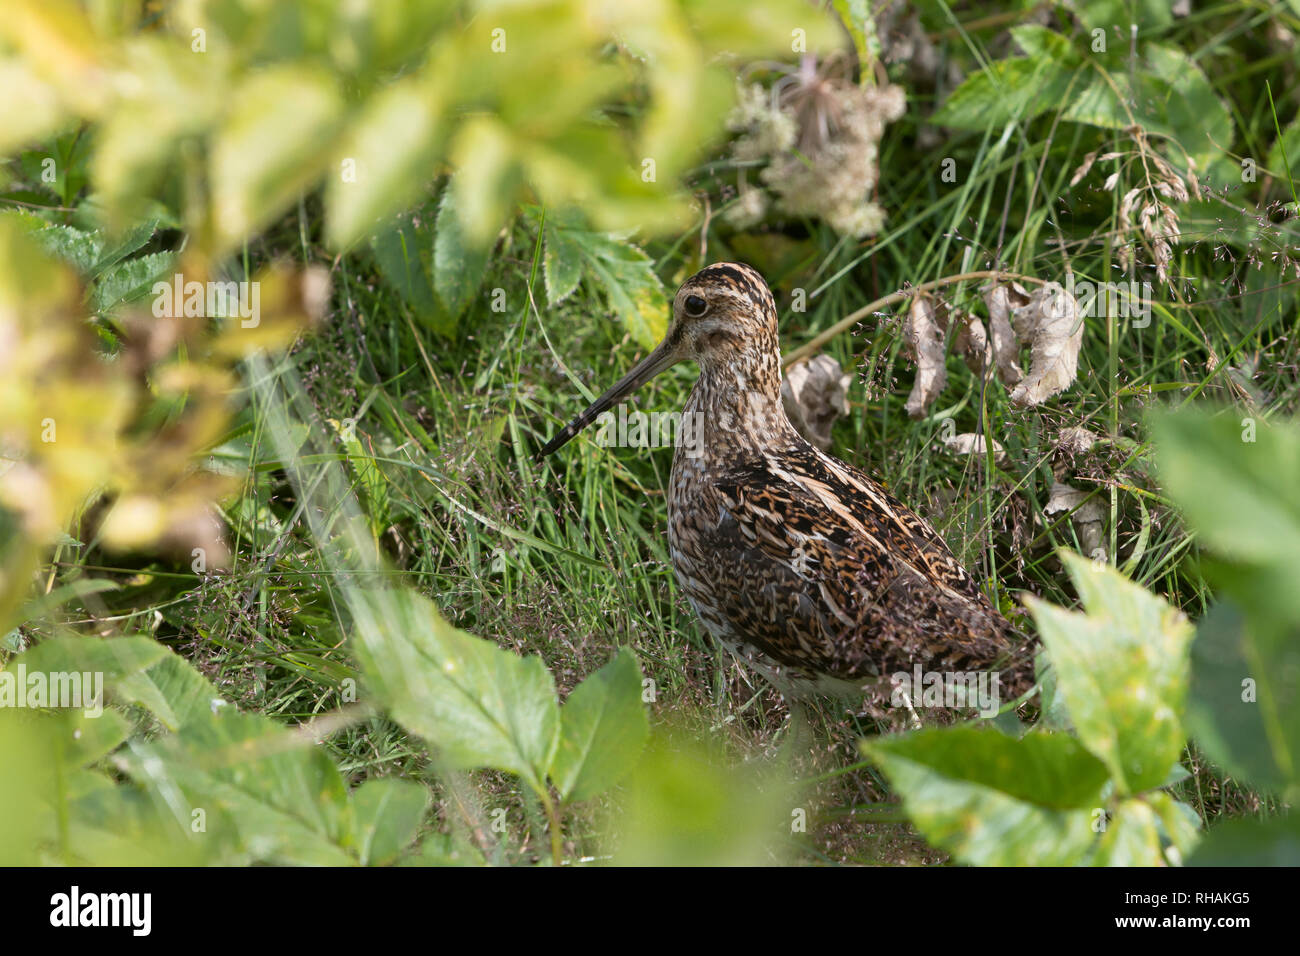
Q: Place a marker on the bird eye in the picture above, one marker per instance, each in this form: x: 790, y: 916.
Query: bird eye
x: 695, y: 306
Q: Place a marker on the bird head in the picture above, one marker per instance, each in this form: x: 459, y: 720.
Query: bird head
x: 724, y: 319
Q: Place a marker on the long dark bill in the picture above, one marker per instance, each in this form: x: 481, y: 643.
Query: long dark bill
x: 661, y: 358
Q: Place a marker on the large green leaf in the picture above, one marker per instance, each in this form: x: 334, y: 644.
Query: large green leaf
x: 112, y: 659
x: 53, y: 810
x: 1233, y: 707
x: 479, y: 705
x: 603, y: 728
x: 1121, y: 670
x: 1172, y: 97
x: 992, y: 800
x: 1238, y: 481
x: 1010, y: 90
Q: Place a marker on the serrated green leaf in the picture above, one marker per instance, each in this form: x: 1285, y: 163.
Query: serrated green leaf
x: 130, y: 280
x: 1172, y: 97
x: 404, y: 255
x: 603, y: 728
x: 133, y: 240
x: 78, y: 248
x: 562, y: 263
x: 622, y: 272
x: 1122, y: 672
x: 635, y: 294
x: 267, y: 794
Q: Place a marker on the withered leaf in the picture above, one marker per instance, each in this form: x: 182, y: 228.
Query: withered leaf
x: 924, y: 332
x: 1002, y: 339
x: 1053, y: 326
x: 815, y: 393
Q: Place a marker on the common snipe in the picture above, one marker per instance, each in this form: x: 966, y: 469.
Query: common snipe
x: 800, y: 564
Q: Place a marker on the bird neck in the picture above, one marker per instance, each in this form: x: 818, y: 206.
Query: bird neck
x: 736, y: 404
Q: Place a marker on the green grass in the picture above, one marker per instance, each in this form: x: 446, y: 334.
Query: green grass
x: 568, y: 559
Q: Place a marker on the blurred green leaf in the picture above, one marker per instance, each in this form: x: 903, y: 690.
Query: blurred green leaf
x: 276, y: 143
x: 1234, y: 698
x: 1271, y: 842
x: 388, y: 159
x: 113, y: 658
x: 1131, y: 838
x: 263, y: 793
x: 459, y: 266
x: 387, y: 813
x: 1234, y: 476
x: 1122, y: 671
x: 992, y: 800
x: 685, y: 805
x: 172, y: 690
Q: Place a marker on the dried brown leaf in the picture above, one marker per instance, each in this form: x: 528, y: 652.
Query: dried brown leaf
x: 1053, y: 326
x: 972, y: 342
x: 1088, y: 514
x: 924, y: 332
x: 815, y: 393
x: 1002, y: 340
x: 969, y: 443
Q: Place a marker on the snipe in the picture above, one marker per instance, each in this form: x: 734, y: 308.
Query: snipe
x: 798, y: 563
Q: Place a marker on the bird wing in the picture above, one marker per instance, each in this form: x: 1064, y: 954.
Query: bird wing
x: 838, y: 576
